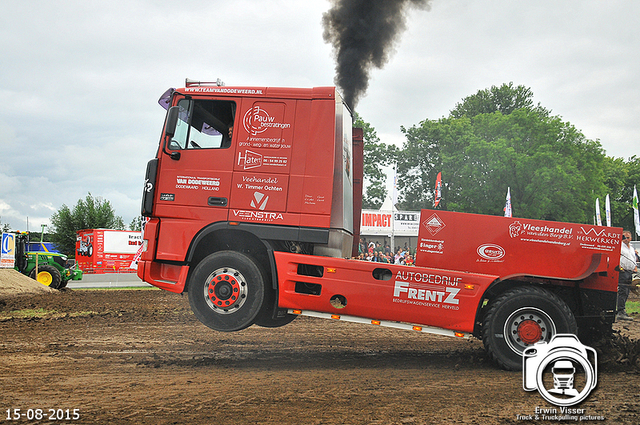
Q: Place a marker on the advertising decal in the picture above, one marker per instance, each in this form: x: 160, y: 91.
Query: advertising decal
x: 497, y: 245
x: 8, y: 253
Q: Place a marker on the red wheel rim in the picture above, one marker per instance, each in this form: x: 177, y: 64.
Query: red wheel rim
x: 225, y: 290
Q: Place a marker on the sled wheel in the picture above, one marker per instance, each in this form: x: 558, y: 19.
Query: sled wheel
x: 521, y: 317
x: 226, y: 291
x: 48, y: 276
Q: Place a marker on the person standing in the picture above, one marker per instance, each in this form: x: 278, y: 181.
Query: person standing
x: 627, y: 268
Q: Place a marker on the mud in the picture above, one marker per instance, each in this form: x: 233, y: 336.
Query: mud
x: 140, y: 356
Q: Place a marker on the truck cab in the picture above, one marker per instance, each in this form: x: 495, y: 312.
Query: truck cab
x: 249, y: 170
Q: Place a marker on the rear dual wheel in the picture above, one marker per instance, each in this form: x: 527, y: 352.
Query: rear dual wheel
x: 521, y: 317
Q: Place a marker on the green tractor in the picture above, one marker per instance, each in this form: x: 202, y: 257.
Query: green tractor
x: 53, y: 268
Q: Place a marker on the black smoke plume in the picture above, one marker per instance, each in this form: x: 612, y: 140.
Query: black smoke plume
x: 363, y: 34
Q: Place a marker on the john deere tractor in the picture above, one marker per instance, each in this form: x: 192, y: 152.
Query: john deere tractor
x: 53, y: 270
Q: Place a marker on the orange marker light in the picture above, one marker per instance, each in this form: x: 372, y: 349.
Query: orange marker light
x: 375, y: 322
x: 459, y: 334
x: 331, y: 270
x: 335, y: 316
x: 297, y: 311
x: 417, y: 328
x: 467, y: 286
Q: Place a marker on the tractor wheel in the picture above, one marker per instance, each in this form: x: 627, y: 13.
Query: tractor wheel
x: 48, y: 276
x: 226, y: 291
x: 521, y: 317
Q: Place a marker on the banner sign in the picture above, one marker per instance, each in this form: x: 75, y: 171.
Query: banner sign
x: 400, y: 223
x: 8, y: 253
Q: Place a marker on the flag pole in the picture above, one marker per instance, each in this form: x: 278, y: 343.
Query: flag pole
x: 508, y: 212
x: 636, y: 217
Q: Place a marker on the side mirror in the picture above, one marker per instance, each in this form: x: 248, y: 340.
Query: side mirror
x: 172, y: 121
x: 170, y: 129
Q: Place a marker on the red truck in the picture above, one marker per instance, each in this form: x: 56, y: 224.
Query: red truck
x: 253, y: 204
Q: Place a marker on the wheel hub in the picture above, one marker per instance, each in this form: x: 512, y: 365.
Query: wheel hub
x: 527, y: 326
x: 45, y: 278
x: 225, y: 290
x: 529, y: 331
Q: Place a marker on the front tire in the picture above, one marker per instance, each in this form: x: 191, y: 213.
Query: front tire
x: 48, y: 276
x: 226, y: 291
x: 521, y: 317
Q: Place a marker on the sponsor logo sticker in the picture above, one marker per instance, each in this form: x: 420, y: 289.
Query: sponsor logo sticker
x: 490, y: 251
x: 434, y: 224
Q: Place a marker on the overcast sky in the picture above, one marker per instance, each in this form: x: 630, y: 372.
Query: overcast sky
x: 80, y: 79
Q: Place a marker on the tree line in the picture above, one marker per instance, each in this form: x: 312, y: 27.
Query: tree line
x: 498, y: 139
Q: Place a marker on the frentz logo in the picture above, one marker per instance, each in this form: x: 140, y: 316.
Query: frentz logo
x: 259, y: 201
x: 490, y: 251
x: 249, y: 160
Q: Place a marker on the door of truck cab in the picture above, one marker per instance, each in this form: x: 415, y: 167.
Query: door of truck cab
x: 196, y: 163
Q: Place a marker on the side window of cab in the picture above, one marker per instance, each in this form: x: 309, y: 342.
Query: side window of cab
x: 204, y: 124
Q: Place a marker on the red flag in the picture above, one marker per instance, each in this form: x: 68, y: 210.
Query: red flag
x: 438, y: 190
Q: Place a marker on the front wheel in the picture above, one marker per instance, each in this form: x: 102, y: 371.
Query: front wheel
x: 48, y: 276
x: 226, y: 291
x: 521, y: 317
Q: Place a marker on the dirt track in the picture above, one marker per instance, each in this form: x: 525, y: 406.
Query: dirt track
x: 141, y: 357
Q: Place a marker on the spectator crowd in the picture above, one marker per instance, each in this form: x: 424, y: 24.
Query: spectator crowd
x: 374, y: 251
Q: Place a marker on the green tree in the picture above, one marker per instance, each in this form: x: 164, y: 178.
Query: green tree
x: 136, y: 224
x: 619, y: 178
x: 498, y: 139
x: 376, y: 155
x: 504, y: 99
x: 90, y: 213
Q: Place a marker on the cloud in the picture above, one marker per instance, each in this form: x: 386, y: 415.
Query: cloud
x: 81, y: 80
